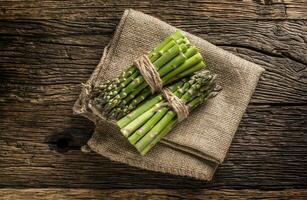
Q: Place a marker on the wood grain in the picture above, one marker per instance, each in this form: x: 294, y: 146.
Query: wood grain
x: 47, y: 48
x: 68, y: 56
x: 97, y: 10
x: 268, y: 152
x: 154, y: 194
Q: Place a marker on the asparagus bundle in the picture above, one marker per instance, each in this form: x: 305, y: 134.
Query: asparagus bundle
x: 151, y: 121
x: 174, y: 58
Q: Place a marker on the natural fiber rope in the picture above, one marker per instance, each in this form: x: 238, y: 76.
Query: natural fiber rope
x: 152, y: 77
x: 176, y: 104
x: 149, y: 73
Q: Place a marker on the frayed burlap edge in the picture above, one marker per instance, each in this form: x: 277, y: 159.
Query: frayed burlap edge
x: 103, y: 65
x: 81, y: 105
x: 152, y: 165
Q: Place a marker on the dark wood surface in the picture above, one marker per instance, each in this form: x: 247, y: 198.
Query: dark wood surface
x: 156, y: 194
x: 47, y: 48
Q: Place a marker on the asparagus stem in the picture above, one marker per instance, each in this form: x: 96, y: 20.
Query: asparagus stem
x: 186, y: 65
x: 147, y: 126
x: 133, y: 94
x: 132, y: 73
x: 144, y: 107
x: 150, y: 123
x: 139, y: 121
x: 140, y: 98
x: 174, y: 58
x: 195, y: 91
x: 175, y: 36
x: 199, y: 66
x: 142, y: 86
x: 167, y: 56
x: 173, y: 64
x: 192, y: 105
x: 155, y: 53
x: 149, y: 137
x: 129, y: 79
x: 152, y: 59
x: 163, y: 133
x: 137, y: 112
x: 138, y: 81
x: 190, y: 52
x: 158, y: 54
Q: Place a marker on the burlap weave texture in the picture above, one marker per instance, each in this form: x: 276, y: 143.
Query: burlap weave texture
x: 199, y: 143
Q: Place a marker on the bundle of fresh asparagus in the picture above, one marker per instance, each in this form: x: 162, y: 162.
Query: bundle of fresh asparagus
x: 143, y: 117
x: 174, y: 58
x: 151, y: 121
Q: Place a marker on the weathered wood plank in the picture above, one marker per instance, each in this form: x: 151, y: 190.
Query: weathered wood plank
x: 89, y: 10
x: 268, y: 152
x: 67, y: 56
x: 281, y: 39
x: 48, y: 47
x: 159, y: 194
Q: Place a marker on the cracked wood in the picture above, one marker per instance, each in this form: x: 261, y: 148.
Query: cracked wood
x: 47, y: 48
x: 158, y: 194
x: 271, y: 138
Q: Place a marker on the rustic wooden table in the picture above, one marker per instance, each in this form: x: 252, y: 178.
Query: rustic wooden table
x: 47, y: 48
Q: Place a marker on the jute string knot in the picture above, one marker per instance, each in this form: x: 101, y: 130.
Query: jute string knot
x: 152, y: 78
x: 149, y: 73
x: 176, y: 104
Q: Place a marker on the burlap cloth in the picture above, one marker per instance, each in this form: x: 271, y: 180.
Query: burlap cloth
x: 199, y: 143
